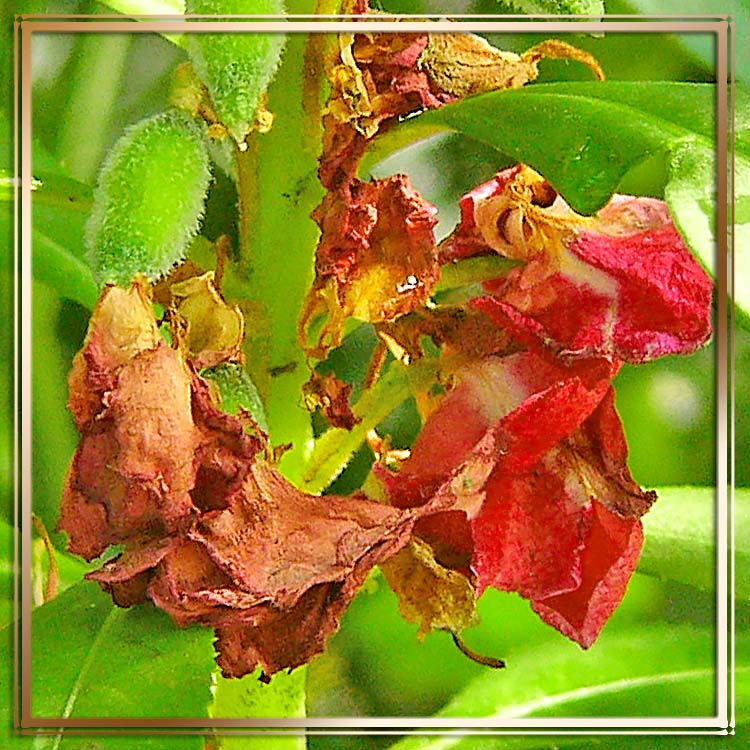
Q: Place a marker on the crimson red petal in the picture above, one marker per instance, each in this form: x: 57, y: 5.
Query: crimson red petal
x: 620, y: 284
x: 609, y: 558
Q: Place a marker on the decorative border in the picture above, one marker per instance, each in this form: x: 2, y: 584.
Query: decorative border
x: 721, y: 724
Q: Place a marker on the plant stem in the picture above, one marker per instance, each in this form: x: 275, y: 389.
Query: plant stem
x: 277, y: 245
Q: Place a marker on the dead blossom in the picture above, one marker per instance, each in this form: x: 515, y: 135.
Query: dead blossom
x: 518, y: 479
x: 212, y: 533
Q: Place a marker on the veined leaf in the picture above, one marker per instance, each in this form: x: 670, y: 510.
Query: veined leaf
x: 108, y: 651
x: 586, y: 137
x: 645, y: 671
x: 90, y: 658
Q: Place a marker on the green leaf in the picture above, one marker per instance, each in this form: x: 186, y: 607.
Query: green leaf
x: 680, y: 538
x: 151, y: 8
x: 662, y: 670
x: 236, y: 67
x: 149, y: 198
x: 147, y: 7
x: 67, y: 274
x: 283, y: 697
x: 237, y: 390
x: 90, y: 658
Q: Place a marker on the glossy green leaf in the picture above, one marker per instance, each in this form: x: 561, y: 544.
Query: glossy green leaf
x: 680, y: 536
x: 90, y: 658
x: 283, y: 697
x: 117, y: 663
x: 236, y: 67
x: 582, y: 145
x: 59, y: 209
x: 67, y: 274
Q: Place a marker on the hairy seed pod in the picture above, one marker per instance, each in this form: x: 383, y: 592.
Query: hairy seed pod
x: 235, y: 391
x: 149, y: 199
x: 236, y: 67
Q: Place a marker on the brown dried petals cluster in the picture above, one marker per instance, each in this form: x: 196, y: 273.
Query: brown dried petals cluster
x: 210, y: 531
x: 377, y: 258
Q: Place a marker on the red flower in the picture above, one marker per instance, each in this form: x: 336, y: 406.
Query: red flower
x: 620, y: 283
x: 531, y: 455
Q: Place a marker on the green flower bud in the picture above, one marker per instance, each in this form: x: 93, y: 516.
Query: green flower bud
x: 235, y: 67
x: 149, y: 199
x: 235, y: 389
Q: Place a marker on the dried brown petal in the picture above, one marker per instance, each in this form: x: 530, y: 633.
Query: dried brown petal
x: 331, y: 396
x: 122, y: 324
x: 436, y: 597
x: 376, y: 259
x: 214, y: 330
x: 465, y: 64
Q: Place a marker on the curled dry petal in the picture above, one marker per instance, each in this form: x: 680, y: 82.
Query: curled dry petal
x: 212, y: 533
x: 621, y: 283
x: 532, y: 452
x: 331, y: 395
x: 131, y: 475
x: 214, y: 330
x: 463, y: 65
x: 273, y: 572
x: 377, y: 257
x: 436, y: 597
x: 375, y: 81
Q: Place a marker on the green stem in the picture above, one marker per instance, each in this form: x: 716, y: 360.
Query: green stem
x: 472, y: 271
x: 334, y: 448
x: 277, y: 243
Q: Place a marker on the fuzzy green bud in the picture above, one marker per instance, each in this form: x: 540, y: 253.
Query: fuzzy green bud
x: 149, y: 199
x: 236, y: 67
x: 235, y: 389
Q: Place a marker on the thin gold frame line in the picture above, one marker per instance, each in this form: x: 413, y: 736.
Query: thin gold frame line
x: 146, y: 28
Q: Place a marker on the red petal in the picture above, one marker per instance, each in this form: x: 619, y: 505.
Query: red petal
x: 609, y: 559
x: 664, y: 296
x: 530, y: 532
x: 621, y: 284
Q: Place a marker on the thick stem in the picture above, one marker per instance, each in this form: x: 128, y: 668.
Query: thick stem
x: 278, y: 186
